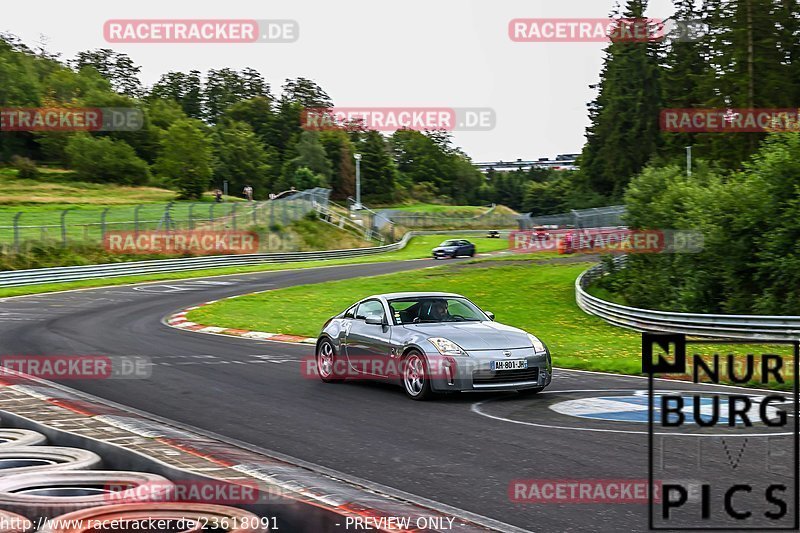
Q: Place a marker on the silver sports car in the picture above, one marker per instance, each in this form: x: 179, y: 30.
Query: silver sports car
x: 430, y: 342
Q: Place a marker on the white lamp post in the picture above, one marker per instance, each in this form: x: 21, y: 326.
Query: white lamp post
x: 357, y: 206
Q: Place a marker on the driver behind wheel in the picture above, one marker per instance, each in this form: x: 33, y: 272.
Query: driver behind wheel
x: 438, y: 311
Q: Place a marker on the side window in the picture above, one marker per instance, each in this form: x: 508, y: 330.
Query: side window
x: 370, y: 308
x: 350, y: 313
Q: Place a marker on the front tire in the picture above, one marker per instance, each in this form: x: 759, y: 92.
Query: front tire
x: 416, y: 382
x: 326, y: 362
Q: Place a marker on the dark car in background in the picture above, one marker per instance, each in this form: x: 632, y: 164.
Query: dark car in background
x: 453, y: 248
x: 493, y: 234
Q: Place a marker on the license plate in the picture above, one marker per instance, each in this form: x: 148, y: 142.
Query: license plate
x: 510, y: 364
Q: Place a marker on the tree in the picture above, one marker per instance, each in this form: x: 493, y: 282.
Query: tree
x: 116, y: 67
x: 684, y: 67
x: 310, y: 154
x: 226, y: 87
x: 241, y: 158
x: 339, y: 151
x: 185, y: 89
x: 187, y: 157
x: 106, y: 160
x: 306, y: 93
x: 623, y: 133
x: 378, y: 171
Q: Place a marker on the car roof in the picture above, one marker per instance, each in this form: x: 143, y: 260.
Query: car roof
x: 396, y: 295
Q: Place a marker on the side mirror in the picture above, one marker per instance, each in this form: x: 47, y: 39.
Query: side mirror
x: 490, y: 315
x: 375, y: 320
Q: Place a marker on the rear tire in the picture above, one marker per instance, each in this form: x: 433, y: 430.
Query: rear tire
x: 326, y: 362
x: 416, y: 378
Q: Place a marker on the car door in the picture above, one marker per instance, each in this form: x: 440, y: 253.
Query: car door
x: 368, y: 345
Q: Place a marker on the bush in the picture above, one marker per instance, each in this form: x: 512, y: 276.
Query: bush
x: 106, y: 160
x: 26, y: 168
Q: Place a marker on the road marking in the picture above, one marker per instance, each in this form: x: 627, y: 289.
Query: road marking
x: 477, y: 409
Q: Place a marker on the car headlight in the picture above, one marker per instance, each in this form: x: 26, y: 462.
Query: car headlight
x: 446, y: 347
x: 538, y: 346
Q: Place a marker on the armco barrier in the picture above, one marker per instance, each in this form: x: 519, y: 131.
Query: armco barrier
x: 755, y: 327
x: 36, y: 276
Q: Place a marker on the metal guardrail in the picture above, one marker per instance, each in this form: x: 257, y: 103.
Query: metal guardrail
x: 37, y: 276
x: 755, y: 327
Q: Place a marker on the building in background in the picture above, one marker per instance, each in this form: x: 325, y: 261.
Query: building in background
x: 561, y: 162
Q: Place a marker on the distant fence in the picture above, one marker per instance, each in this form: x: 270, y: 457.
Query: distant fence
x: 487, y: 220
x: 596, y: 217
x: 90, y: 225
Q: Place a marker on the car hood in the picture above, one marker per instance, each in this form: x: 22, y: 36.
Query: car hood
x: 475, y: 335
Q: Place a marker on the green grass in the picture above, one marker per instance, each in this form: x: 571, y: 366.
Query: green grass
x: 61, y: 187
x: 417, y: 248
x: 539, y: 298
x: 42, y: 201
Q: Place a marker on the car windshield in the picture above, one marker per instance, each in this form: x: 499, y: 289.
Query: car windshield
x: 434, y: 309
x: 449, y: 243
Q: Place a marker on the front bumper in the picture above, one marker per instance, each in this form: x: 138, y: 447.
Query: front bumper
x: 474, y: 372
x: 440, y: 254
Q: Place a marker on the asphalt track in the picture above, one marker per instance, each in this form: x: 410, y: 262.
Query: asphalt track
x: 463, y: 450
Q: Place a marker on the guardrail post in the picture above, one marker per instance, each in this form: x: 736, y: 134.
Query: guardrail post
x: 103, y: 224
x: 255, y: 213
x: 166, y: 218
x: 16, y: 230
x: 64, y: 226
x: 272, y: 212
x: 136, y: 219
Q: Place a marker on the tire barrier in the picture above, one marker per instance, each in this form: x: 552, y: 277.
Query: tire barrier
x: 14, y: 523
x: 170, y: 517
x: 10, y: 437
x: 49, y: 494
x: 28, y: 459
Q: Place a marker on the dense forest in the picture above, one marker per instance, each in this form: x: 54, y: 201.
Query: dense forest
x: 744, y: 191
x: 200, y: 129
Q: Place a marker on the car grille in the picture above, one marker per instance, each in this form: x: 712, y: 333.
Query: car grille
x: 505, y: 376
